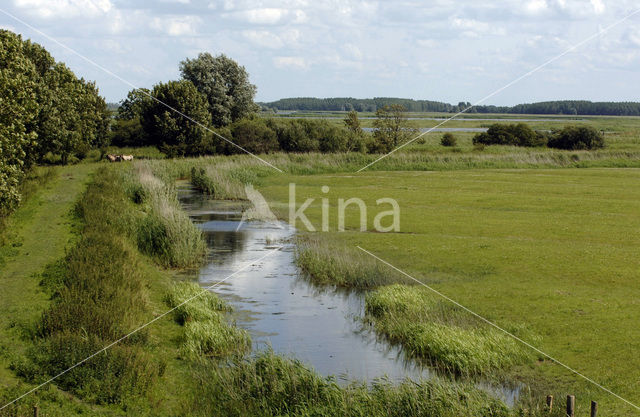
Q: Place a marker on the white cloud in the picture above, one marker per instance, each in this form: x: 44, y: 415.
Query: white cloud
x: 536, y: 6
x: 176, y: 25
x: 269, y: 15
x: 598, y: 6
x: 295, y: 62
x: 263, y: 38
x: 64, y: 9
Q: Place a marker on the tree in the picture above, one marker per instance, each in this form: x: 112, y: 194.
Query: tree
x: 173, y: 133
x: 126, y: 129
x: 224, y: 84
x: 577, y: 137
x: 391, y: 127
x: 131, y: 107
x: 352, y: 122
x: 18, y: 110
x: 355, y: 136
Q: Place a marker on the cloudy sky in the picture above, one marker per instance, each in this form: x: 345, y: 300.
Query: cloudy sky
x: 438, y: 49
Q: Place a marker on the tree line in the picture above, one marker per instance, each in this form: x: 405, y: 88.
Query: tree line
x: 210, y: 110
x: 563, y: 107
x: 46, y: 113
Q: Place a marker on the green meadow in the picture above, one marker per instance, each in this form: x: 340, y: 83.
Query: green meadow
x: 551, y: 251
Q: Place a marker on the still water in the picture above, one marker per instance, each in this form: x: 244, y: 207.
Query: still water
x: 283, y: 310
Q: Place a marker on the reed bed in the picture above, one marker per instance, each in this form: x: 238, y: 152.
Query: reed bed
x: 441, y: 333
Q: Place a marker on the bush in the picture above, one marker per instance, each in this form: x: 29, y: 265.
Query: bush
x: 128, y: 133
x: 448, y: 139
x: 576, y: 138
x: 518, y: 134
x: 254, y: 136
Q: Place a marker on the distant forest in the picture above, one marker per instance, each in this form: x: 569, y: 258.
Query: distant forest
x: 566, y: 107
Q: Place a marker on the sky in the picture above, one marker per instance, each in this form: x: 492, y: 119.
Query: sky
x: 435, y: 50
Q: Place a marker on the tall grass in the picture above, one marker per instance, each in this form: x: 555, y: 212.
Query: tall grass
x: 325, y: 264
x: 269, y: 385
x: 441, y: 333
x: 166, y: 231
x: 205, y: 331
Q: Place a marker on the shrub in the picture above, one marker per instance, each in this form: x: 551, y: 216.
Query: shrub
x: 253, y: 135
x: 576, y: 138
x: 518, y: 134
x: 448, y: 139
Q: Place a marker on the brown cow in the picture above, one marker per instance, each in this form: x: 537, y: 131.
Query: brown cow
x: 113, y: 158
x: 127, y: 157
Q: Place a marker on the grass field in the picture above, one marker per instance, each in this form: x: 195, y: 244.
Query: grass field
x: 552, y: 250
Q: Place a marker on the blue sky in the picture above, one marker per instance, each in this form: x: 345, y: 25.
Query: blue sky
x: 438, y: 50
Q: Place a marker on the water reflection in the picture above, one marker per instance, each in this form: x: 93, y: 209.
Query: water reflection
x: 283, y: 310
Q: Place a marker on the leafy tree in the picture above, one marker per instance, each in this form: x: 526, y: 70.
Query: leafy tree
x: 126, y: 129
x: 44, y: 108
x: 18, y: 110
x: 352, y: 122
x: 391, y: 127
x: 173, y: 133
x: 577, y: 137
x: 224, y: 84
x: 131, y: 107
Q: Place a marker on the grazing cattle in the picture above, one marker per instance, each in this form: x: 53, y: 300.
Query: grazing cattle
x: 113, y: 158
x: 127, y: 157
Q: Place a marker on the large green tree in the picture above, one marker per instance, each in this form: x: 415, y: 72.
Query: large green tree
x: 18, y: 110
x: 44, y: 108
x: 224, y: 84
x: 173, y: 133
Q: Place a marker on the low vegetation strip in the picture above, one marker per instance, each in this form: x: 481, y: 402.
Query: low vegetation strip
x: 98, y: 294
x: 326, y: 264
x: 444, y: 335
x: 269, y: 385
x: 205, y: 329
